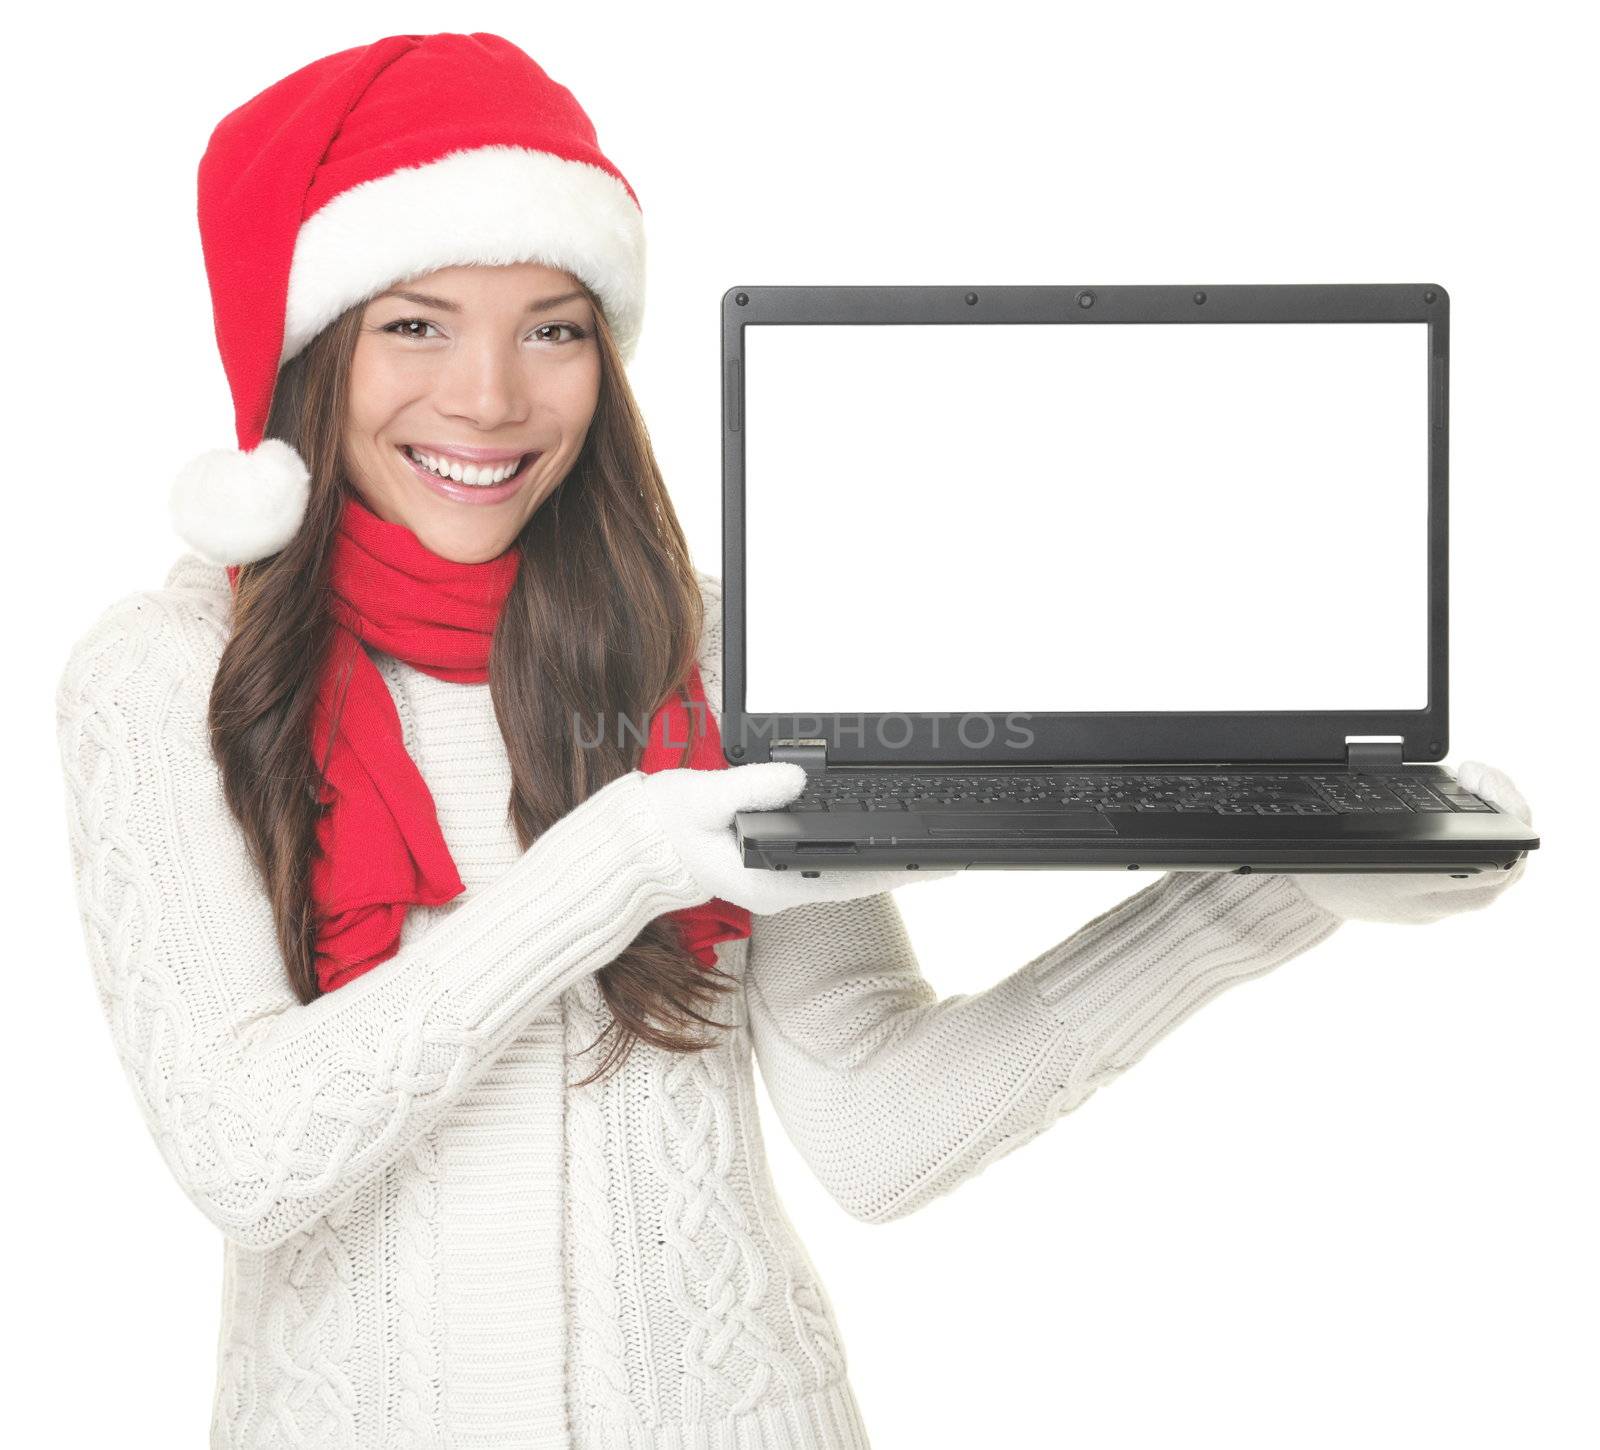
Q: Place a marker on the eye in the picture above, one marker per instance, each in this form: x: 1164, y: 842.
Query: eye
x: 406, y: 322
x: 576, y: 331
x: 399, y: 327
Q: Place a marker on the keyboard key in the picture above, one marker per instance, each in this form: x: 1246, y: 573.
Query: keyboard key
x: 1153, y: 793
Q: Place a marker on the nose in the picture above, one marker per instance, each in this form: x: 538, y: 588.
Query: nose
x: 487, y: 384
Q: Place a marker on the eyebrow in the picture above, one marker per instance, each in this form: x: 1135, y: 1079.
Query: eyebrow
x: 421, y: 299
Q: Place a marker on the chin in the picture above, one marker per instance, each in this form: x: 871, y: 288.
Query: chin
x: 475, y: 546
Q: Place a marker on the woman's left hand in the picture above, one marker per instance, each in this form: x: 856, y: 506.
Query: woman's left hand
x: 1416, y: 897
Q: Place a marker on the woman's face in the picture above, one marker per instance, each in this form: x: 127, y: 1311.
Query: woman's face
x: 476, y: 367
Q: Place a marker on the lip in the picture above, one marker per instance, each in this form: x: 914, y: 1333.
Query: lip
x: 468, y: 493
x: 470, y: 455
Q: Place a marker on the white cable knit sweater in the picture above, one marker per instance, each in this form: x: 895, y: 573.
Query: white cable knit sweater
x: 428, y: 1239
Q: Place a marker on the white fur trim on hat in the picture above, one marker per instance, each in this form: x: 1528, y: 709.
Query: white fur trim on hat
x: 233, y: 507
x: 491, y: 206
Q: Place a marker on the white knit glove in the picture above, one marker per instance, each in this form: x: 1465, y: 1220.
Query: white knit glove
x: 695, y: 809
x: 1417, y: 897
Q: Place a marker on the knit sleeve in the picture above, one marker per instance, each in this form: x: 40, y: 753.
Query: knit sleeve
x: 894, y: 1096
x: 267, y: 1110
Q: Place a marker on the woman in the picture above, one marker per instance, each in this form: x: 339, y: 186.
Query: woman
x: 363, y: 874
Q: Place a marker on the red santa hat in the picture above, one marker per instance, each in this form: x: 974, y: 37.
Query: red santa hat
x: 363, y: 169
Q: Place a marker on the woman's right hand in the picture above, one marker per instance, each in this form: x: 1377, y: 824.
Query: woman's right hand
x: 696, y: 809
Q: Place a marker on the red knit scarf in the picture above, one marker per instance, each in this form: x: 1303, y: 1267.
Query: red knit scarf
x: 380, y: 846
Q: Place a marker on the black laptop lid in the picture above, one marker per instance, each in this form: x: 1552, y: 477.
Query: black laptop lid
x: 1026, y: 525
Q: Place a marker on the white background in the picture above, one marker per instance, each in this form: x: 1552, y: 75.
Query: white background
x: 1348, y: 1204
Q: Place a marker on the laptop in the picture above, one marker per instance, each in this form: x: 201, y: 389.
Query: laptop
x: 1122, y: 577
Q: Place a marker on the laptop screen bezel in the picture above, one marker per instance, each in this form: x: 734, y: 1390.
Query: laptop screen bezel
x: 1087, y: 737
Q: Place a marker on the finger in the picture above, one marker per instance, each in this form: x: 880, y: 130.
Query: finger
x: 791, y: 890
x: 889, y: 880
x: 761, y: 787
x: 846, y: 885
x: 894, y: 880
x: 1515, y: 873
x: 1499, y: 789
x: 1496, y: 787
x: 783, y: 891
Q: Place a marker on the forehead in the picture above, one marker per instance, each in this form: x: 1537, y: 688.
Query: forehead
x: 514, y: 280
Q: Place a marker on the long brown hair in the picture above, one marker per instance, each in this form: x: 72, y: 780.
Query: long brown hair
x: 604, y: 618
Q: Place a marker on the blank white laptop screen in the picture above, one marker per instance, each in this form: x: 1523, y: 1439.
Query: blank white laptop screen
x: 1069, y: 517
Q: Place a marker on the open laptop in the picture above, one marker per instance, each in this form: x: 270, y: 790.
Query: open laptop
x: 1121, y: 577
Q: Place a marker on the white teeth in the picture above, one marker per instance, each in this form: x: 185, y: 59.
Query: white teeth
x: 468, y: 473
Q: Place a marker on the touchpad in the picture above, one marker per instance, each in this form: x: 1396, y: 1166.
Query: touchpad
x: 974, y: 825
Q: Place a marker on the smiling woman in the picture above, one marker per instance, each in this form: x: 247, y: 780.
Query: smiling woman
x: 365, y: 894
x: 573, y: 576
x: 466, y: 415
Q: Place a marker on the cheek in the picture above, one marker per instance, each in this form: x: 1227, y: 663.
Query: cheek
x: 580, y: 395
x: 380, y: 381
x: 361, y: 399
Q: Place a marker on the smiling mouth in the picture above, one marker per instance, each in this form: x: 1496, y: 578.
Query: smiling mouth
x: 483, y: 476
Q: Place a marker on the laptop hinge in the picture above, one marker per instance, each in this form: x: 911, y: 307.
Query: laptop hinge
x: 1374, y: 753
x: 812, y: 755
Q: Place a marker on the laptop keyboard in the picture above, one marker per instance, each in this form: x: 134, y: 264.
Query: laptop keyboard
x: 1229, y: 795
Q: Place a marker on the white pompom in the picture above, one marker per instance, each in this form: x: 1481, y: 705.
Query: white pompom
x: 233, y: 507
